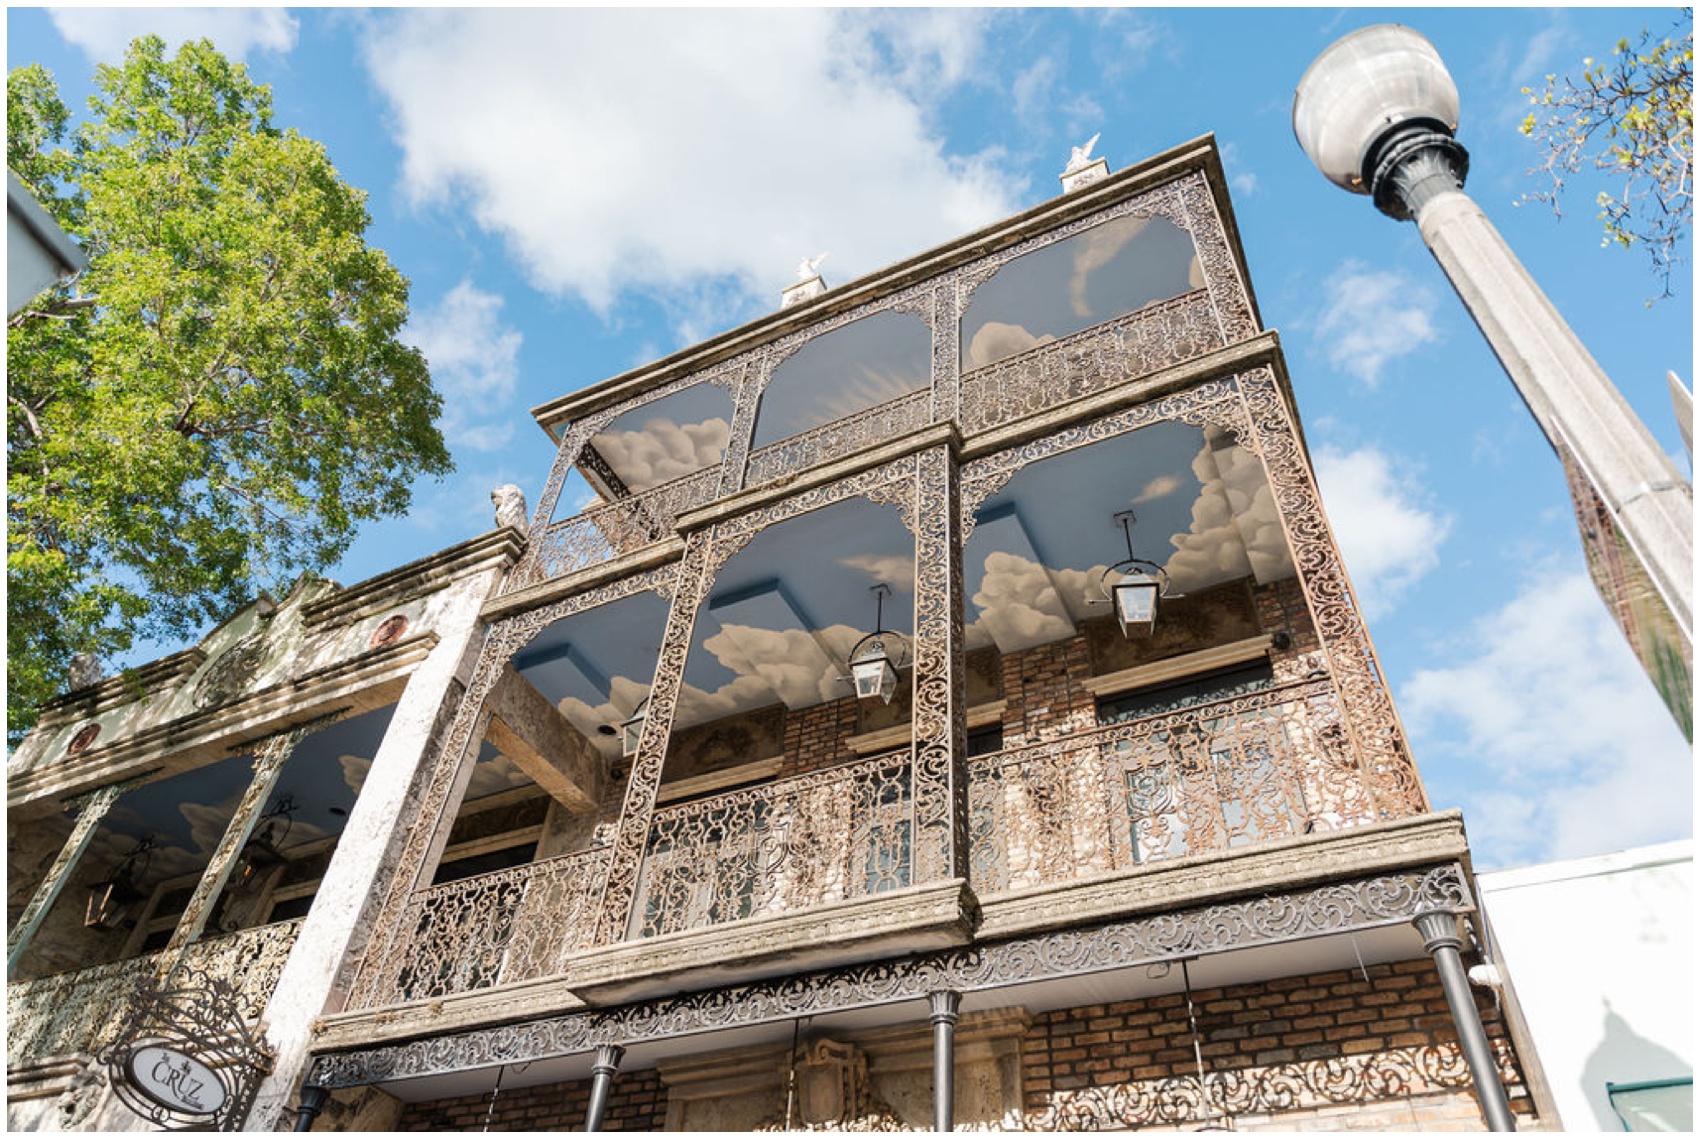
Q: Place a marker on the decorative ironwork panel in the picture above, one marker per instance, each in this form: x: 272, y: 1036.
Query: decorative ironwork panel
x: 1196, y: 213
x: 1363, y: 903
x: 1258, y: 766
x: 1214, y: 403
x: 610, y: 529
x: 704, y: 552
x: 1100, y: 357
x: 1265, y: 1090
x: 517, y: 924
x: 839, y: 438
x: 83, y: 1011
x: 1370, y: 719
x: 447, y: 773
x: 940, y: 715
x: 823, y: 837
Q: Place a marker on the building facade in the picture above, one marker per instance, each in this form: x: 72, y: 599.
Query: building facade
x: 827, y: 761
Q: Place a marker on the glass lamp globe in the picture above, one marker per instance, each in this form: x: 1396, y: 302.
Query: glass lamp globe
x: 1135, y: 596
x: 874, y: 674
x: 1361, y: 87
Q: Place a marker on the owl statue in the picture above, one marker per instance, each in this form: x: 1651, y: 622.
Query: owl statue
x: 510, y: 508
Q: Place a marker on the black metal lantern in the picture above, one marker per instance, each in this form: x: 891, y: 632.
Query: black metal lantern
x: 264, y: 850
x: 1133, y: 586
x: 113, y: 897
x: 874, y: 662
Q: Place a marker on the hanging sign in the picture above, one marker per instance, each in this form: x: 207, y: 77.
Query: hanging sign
x: 190, y: 1061
x: 174, y: 1079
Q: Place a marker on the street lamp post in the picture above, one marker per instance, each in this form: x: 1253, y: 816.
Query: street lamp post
x: 1376, y: 113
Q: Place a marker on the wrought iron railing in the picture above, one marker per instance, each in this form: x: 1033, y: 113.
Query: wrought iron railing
x: 1209, y: 777
x: 607, y: 530
x: 81, y: 1011
x: 823, y: 837
x: 475, y: 933
x: 841, y: 437
x: 1097, y: 358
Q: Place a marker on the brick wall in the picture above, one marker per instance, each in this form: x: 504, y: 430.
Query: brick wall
x: 1281, y: 608
x: 1323, y: 1052
x: 1043, y: 697
x: 814, y: 737
x: 637, y: 1102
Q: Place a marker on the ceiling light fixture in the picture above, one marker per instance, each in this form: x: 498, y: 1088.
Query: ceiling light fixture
x: 1136, y: 588
x: 874, y: 665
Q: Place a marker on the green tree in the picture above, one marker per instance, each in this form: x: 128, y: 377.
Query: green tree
x: 1632, y: 118
x: 220, y: 398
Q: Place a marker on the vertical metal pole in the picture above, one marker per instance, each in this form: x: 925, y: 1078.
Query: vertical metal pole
x: 601, y: 1080
x: 1440, y: 937
x: 313, y: 1099
x: 944, y: 1059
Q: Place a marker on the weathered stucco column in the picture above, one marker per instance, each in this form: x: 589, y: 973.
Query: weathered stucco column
x: 91, y: 809
x: 355, y: 882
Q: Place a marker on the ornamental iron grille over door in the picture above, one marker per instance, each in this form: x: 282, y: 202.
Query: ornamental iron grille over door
x: 189, y: 1061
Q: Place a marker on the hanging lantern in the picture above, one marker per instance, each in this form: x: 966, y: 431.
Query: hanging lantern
x: 113, y: 897
x: 873, y: 665
x: 1137, y: 587
x: 264, y: 849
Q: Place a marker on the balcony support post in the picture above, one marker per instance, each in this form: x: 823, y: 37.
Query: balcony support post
x: 695, y: 576
x: 1439, y: 930
x: 91, y: 810
x: 608, y: 1058
x: 944, y: 1015
x: 940, y: 717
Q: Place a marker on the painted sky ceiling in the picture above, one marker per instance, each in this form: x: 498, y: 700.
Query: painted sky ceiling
x: 786, y: 610
x: 186, y: 814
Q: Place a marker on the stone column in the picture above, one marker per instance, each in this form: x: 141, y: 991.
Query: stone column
x: 268, y: 765
x: 91, y: 809
x: 1440, y: 937
x: 601, y: 1081
x: 355, y: 883
x: 944, y: 1006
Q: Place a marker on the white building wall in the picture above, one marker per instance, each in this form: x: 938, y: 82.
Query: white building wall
x: 1601, y: 953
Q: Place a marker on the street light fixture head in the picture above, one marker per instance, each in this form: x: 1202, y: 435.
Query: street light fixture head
x: 1363, y: 88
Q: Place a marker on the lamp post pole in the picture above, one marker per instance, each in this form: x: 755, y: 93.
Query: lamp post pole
x: 1376, y: 112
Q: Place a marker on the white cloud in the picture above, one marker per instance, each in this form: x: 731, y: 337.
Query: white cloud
x: 1160, y: 487
x: 1387, y: 539
x: 995, y: 340
x: 104, y: 34
x: 896, y: 570
x: 663, y: 450
x: 1096, y: 248
x: 1372, y: 317
x: 1235, y: 529
x: 474, y: 361
x: 1019, y: 606
x: 1564, y: 749
x: 571, y: 134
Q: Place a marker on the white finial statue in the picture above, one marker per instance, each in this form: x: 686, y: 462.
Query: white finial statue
x: 1081, y: 156
x: 86, y: 671
x: 510, y: 508
x: 810, y: 267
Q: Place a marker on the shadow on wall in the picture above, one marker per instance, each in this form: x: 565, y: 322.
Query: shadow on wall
x: 1623, y: 1056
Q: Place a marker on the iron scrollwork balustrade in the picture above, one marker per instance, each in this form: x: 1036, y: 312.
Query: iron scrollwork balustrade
x: 1268, y: 919
x: 475, y: 933
x: 609, y: 529
x: 1091, y: 360
x: 806, y: 841
x: 835, y: 440
x: 84, y: 1010
x: 1268, y: 1090
x: 1209, y: 777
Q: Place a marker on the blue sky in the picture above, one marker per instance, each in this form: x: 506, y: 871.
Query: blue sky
x: 575, y: 193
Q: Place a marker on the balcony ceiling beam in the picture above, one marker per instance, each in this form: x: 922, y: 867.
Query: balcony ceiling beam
x: 531, y: 731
